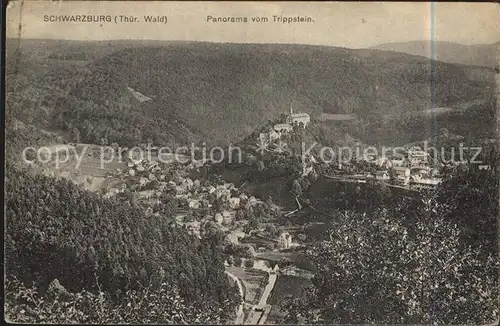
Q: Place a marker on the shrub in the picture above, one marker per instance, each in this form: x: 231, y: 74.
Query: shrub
x: 249, y: 263
x: 162, y: 305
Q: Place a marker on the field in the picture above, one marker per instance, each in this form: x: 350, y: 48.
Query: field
x: 87, y: 172
x: 253, y: 281
x: 275, y: 256
x: 336, y: 117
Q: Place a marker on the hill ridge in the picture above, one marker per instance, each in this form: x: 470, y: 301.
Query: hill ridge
x: 483, y: 55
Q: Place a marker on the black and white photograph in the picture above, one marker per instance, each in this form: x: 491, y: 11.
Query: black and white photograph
x: 251, y: 163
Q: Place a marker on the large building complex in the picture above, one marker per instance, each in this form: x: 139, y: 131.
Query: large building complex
x: 301, y: 119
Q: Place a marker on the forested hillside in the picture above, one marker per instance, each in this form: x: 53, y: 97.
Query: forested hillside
x: 475, y: 55
x: 56, y: 230
x: 220, y: 93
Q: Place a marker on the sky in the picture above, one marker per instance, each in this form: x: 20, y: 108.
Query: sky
x: 352, y: 24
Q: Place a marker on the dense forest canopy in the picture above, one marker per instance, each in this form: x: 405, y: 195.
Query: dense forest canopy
x: 473, y: 55
x: 57, y: 230
x: 222, y: 92
x: 431, y: 260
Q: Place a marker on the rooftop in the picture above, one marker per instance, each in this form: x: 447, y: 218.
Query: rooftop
x: 434, y: 181
x: 299, y: 115
x: 418, y: 153
x: 280, y: 126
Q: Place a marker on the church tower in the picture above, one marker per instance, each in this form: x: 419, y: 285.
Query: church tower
x: 289, y: 118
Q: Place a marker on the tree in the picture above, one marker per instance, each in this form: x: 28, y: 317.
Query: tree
x: 248, y: 228
x: 392, y: 176
x: 305, y: 183
x: 237, y: 261
x: 109, y: 246
x: 313, y: 175
x: 260, y: 166
x: 249, y: 263
x: 296, y: 188
x: 249, y: 251
x: 269, y: 264
x: 271, y: 229
x: 302, y: 237
x: 75, y: 135
x: 189, y: 217
x: 469, y: 198
x: 375, y: 195
x: 214, y: 233
x: 284, y: 262
x: 403, y: 265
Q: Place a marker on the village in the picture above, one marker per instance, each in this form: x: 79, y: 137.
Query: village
x: 256, y: 248
x: 192, y: 201
x: 192, y: 198
x: 409, y: 167
x: 258, y: 245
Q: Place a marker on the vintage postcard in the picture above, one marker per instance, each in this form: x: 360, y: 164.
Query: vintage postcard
x: 251, y: 162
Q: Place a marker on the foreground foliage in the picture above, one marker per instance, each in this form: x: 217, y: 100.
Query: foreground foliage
x: 432, y: 261
x: 56, y: 230
x: 163, y: 305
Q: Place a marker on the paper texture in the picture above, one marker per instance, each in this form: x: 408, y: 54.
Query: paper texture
x: 251, y: 163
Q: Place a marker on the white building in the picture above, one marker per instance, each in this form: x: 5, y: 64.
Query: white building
x: 234, y: 203
x: 417, y: 157
x: 427, y: 182
x: 381, y: 175
x: 193, y: 228
x: 284, y: 240
x: 194, y: 204
x: 274, y: 135
x: 298, y: 118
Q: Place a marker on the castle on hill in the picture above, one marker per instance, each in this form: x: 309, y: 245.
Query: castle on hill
x: 293, y: 119
x: 301, y: 119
